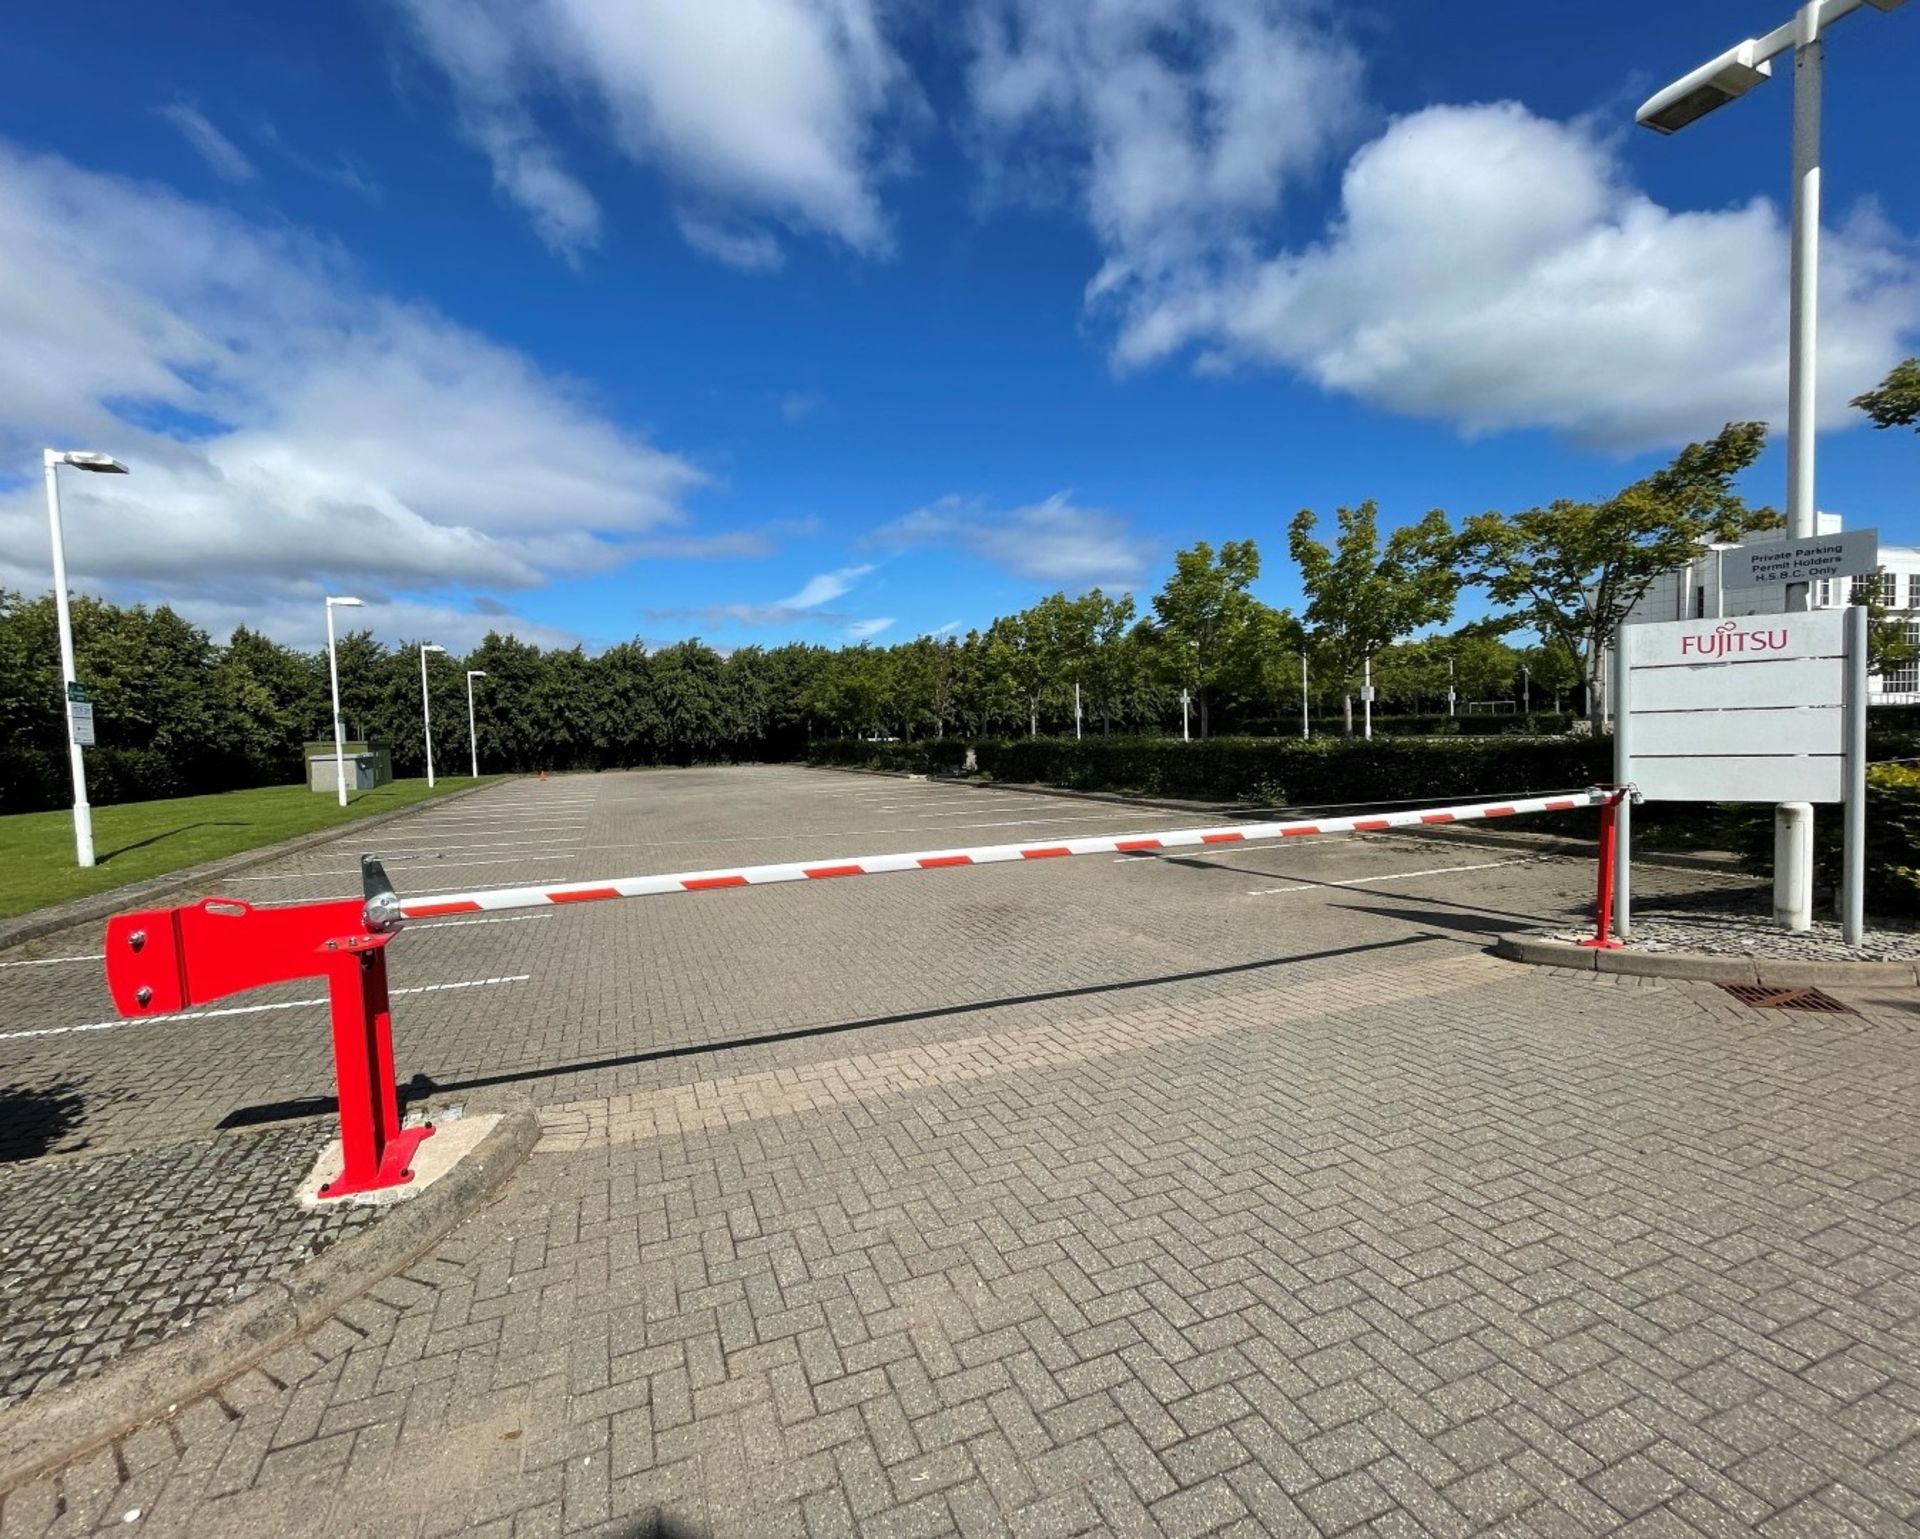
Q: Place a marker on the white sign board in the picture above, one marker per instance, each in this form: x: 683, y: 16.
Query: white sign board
x: 81, y: 712
x: 1852, y: 554
x: 1750, y: 710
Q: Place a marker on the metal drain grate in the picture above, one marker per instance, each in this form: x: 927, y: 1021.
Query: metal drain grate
x: 1763, y: 998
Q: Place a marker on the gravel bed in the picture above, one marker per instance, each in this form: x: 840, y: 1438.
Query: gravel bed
x: 1746, y: 929
x: 104, y: 1254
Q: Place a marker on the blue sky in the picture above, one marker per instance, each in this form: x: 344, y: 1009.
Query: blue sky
x: 594, y: 319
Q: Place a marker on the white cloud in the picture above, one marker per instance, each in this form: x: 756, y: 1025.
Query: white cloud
x: 219, y: 152
x: 300, y: 621
x: 798, y: 608
x: 826, y: 587
x: 866, y: 630
x: 284, y: 423
x: 1182, y: 122
x: 763, y: 108
x: 1494, y: 269
x: 1052, y: 541
x: 746, y: 247
x: 480, y: 54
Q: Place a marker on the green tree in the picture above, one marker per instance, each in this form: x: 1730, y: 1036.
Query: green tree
x: 1896, y: 403
x: 1202, y: 616
x: 1361, y: 597
x: 1573, y: 570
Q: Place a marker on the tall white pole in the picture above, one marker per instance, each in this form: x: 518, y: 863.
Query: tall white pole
x: 1793, y: 823
x: 473, y: 741
x: 1452, y: 694
x: 1366, y: 697
x: 1306, y: 720
x: 1076, y: 710
x: 426, y: 715
x: 1185, y: 737
x: 82, y: 812
x: 339, y: 734
x: 1804, y: 279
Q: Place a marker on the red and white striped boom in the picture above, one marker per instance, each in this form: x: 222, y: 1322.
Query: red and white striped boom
x: 163, y: 960
x: 489, y: 900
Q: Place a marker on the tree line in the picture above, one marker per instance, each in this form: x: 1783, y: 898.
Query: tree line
x: 178, y: 711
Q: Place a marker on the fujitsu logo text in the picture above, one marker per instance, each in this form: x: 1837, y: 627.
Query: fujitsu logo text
x: 1729, y: 641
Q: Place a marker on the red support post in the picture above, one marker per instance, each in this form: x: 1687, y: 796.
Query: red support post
x: 375, y: 1149
x: 169, y: 959
x: 1603, y: 905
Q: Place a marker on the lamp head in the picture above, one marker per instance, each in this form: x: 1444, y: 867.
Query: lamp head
x: 1712, y: 85
x: 428, y: 646
x: 345, y: 603
x: 82, y: 459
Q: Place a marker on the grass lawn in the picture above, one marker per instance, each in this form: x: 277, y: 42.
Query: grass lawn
x: 142, y: 839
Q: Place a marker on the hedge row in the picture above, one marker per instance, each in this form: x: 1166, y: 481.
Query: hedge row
x: 1893, y: 841
x: 33, y: 779
x: 1324, y: 772
x: 1342, y: 772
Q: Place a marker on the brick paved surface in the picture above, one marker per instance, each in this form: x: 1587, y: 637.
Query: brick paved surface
x: 1226, y: 1194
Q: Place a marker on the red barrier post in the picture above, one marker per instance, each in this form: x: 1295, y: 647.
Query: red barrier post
x: 1603, y: 905
x: 169, y: 959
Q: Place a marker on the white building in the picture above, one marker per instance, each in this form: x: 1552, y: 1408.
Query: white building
x: 1695, y: 591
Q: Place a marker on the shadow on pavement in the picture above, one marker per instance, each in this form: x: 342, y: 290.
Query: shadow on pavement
x: 1458, y: 917
x: 34, y: 1118
x: 422, y: 1086
x: 652, y: 1525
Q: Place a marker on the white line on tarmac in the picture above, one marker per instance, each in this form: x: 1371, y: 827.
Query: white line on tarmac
x: 462, y: 849
x: 92, y: 956
x: 1392, y: 876
x: 400, y: 865
x: 419, y: 927
x: 282, y: 1004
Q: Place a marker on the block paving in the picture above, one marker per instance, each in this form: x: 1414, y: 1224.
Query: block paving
x: 1239, y: 1196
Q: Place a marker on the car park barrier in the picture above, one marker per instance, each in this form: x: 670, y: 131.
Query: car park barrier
x: 163, y: 960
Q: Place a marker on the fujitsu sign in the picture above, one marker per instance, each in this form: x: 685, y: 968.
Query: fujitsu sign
x: 1748, y: 639
x: 1730, y: 640
x: 1734, y: 710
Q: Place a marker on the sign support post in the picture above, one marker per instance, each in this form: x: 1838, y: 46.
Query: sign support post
x: 1853, y: 878
x: 1622, y: 775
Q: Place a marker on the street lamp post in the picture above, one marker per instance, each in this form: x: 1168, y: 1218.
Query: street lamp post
x: 1452, y: 694
x: 1306, y: 720
x: 1688, y: 99
x: 473, y: 742
x: 333, y: 673
x: 1713, y: 85
x: 53, y: 459
x: 426, y: 706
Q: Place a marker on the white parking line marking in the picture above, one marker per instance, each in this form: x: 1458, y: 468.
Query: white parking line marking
x: 462, y: 849
x: 92, y: 956
x: 283, y: 1004
x: 1392, y: 876
x: 452, y: 924
x: 398, y: 865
